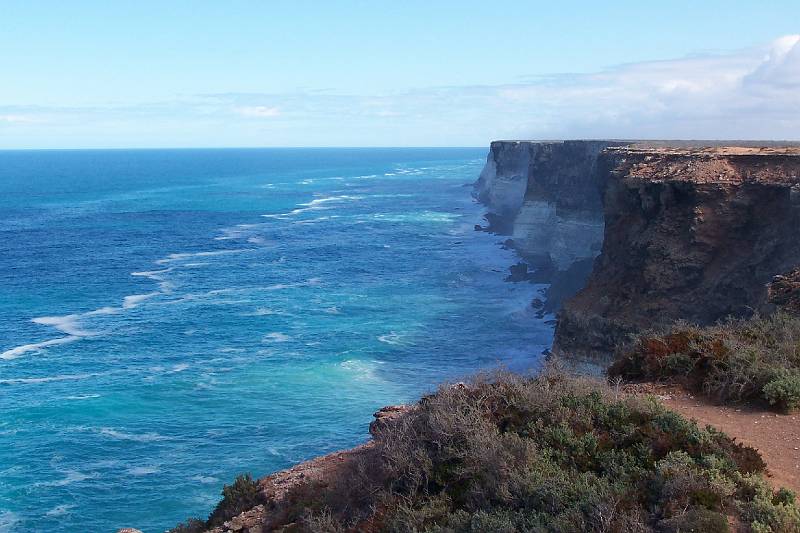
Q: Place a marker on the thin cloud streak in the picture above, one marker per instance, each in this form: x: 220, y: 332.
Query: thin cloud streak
x: 751, y: 93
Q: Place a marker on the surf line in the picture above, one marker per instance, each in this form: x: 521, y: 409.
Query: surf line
x: 70, y: 324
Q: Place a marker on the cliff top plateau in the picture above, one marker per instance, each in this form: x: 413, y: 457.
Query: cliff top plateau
x: 724, y: 164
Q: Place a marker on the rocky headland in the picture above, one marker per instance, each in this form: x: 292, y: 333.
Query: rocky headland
x: 546, y: 196
x: 636, y: 235
x: 690, y: 234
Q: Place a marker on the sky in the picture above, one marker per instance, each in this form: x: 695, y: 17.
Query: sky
x: 132, y: 74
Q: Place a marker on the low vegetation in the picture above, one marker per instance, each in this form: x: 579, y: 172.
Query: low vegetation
x: 238, y: 497
x: 740, y: 360
x: 555, y: 454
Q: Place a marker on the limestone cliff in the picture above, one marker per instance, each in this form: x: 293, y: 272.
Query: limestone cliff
x: 691, y: 234
x: 547, y: 197
x: 688, y: 230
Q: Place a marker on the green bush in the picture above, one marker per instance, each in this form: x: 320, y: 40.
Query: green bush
x: 241, y: 496
x: 766, y: 511
x: 784, y: 391
x: 238, y: 497
x: 698, y: 520
x: 741, y: 360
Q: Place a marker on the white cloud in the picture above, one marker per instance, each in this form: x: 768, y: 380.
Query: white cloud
x: 780, y: 68
x: 751, y: 93
x: 16, y: 119
x: 745, y: 94
x: 258, y: 111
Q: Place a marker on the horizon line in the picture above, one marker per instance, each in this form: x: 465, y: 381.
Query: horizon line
x: 379, y: 147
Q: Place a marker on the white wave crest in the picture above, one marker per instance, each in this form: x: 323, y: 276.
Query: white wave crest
x: 8, y: 521
x: 70, y: 324
x: 65, y: 324
x: 59, y: 510
x: 104, y: 311
x: 13, y: 353
x: 361, y: 370
x: 46, y: 379
x: 82, y: 397
x: 263, y: 311
x: 143, y: 470
x: 204, y: 479
x: 316, y: 204
x: 327, y: 199
x: 171, y: 258
x: 70, y: 477
x: 153, y: 274
x: 394, y: 339
x: 136, y: 437
x: 129, y: 302
x: 276, y: 337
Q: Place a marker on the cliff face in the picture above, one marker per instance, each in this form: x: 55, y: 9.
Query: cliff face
x: 547, y: 197
x: 692, y: 234
x: 687, y: 232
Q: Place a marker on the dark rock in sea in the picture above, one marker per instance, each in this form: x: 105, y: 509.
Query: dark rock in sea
x: 519, y: 272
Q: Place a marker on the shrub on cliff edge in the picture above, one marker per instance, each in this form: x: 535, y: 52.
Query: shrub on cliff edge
x: 238, y: 497
x: 756, y: 359
x: 558, y: 454
x: 242, y: 495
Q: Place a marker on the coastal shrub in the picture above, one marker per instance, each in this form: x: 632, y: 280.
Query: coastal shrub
x: 697, y: 519
x: 784, y: 391
x: 755, y: 359
x: 766, y: 511
x: 238, y: 497
x: 506, y: 453
x: 242, y: 495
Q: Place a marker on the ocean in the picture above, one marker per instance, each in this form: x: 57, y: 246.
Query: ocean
x: 172, y: 318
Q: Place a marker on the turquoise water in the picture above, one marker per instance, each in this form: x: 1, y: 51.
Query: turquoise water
x: 169, y: 319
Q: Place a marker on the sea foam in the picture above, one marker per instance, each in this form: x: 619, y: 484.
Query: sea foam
x: 13, y: 353
x: 171, y: 258
x: 276, y: 337
x: 66, y: 324
x: 136, y: 437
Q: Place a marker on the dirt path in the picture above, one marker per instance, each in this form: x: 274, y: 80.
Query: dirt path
x: 775, y: 436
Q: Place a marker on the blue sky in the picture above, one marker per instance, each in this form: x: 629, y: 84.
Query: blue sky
x: 257, y: 73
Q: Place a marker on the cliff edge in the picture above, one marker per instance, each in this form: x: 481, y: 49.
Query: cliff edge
x: 637, y: 234
x: 547, y: 197
x: 690, y: 234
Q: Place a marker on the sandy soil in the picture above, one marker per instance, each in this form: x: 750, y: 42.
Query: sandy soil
x: 775, y: 436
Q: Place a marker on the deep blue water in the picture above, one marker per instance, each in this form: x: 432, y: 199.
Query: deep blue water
x: 169, y: 319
